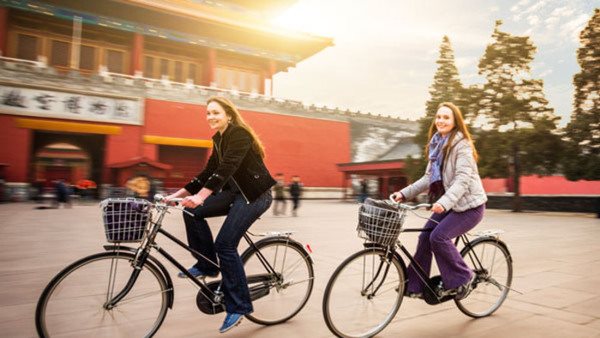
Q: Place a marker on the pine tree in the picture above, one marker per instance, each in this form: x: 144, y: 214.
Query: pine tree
x: 583, y: 132
x: 516, y: 111
x: 446, y: 87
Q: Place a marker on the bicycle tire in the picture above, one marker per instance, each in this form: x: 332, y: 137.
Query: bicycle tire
x: 284, y: 295
x: 493, y: 277
x: 72, y: 303
x: 359, y: 301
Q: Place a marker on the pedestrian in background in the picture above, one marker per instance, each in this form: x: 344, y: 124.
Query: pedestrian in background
x: 280, y: 203
x: 295, y: 192
x: 364, y: 191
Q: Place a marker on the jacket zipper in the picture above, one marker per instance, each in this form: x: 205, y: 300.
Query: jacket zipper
x: 236, y: 184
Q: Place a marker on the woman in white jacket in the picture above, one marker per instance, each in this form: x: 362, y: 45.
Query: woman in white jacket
x: 458, y: 199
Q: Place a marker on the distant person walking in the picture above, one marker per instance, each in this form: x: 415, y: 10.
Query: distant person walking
x: 364, y: 191
x: 280, y: 204
x: 295, y: 192
x: 62, y: 194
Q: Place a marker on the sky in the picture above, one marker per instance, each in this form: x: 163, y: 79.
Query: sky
x: 384, y: 53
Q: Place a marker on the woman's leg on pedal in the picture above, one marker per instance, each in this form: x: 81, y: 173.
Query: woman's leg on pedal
x: 423, y: 256
x: 198, y: 233
x: 241, y: 216
x: 453, y: 268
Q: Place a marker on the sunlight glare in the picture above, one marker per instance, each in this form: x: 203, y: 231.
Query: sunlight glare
x: 303, y: 17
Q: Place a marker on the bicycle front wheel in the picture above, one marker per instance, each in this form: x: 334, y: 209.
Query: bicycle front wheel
x: 278, y: 296
x: 492, y: 264
x: 73, y: 303
x: 364, y: 294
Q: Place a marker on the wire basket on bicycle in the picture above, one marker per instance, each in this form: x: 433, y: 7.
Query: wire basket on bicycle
x: 379, y: 222
x: 125, y: 219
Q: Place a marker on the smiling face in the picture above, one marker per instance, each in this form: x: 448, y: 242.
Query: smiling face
x: 444, y: 120
x: 216, y: 117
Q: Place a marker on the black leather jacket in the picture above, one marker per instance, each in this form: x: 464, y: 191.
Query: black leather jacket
x: 233, y: 159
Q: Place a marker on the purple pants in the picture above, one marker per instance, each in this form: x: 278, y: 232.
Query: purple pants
x: 438, y: 242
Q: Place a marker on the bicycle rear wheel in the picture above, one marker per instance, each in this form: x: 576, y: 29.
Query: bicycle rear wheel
x: 280, y: 296
x: 72, y: 305
x: 492, y: 264
x: 364, y: 294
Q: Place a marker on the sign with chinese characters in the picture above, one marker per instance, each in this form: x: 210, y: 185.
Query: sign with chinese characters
x: 72, y: 106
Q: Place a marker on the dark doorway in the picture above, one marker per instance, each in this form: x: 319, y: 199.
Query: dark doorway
x: 92, y: 145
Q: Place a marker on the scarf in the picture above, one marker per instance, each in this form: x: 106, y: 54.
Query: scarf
x: 436, y: 156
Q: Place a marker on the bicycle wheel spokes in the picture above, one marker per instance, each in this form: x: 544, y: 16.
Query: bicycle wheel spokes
x: 290, y: 287
x: 363, y: 295
x: 493, y: 267
x: 73, y: 305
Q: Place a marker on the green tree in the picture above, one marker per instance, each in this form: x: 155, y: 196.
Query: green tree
x: 446, y: 87
x: 516, y: 111
x: 583, y: 132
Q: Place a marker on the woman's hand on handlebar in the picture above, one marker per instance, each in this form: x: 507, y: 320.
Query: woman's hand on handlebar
x: 397, y: 197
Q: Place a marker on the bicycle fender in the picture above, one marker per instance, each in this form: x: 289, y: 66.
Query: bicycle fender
x: 267, y: 240
x: 157, y: 264
x: 486, y: 239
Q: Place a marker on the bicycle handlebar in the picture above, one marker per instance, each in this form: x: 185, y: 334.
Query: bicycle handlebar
x: 408, y: 206
x: 158, y: 198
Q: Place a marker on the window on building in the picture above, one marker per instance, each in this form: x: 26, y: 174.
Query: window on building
x: 115, y: 60
x: 87, y: 58
x: 237, y: 79
x: 60, y: 53
x: 27, y: 47
x: 192, y: 72
x: 164, y: 67
x: 178, y: 71
x: 149, y: 67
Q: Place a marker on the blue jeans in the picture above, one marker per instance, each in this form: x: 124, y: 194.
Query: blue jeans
x: 240, y: 216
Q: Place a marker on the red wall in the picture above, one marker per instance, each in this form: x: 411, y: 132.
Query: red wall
x: 14, y: 149
x: 175, y: 119
x: 310, y: 148
x: 294, y: 145
x: 545, y: 185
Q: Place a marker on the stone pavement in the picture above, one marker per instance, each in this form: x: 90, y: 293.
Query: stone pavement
x: 556, y: 267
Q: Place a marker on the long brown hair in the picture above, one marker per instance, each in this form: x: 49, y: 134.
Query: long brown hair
x: 459, y: 125
x: 236, y: 119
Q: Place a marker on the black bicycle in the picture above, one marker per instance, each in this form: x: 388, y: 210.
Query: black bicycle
x: 365, y: 292
x: 126, y: 291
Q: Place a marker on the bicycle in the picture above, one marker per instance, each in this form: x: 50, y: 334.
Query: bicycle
x: 365, y: 292
x: 126, y: 291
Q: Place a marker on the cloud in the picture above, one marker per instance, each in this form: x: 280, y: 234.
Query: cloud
x: 533, y: 20
x: 573, y: 27
x: 562, y: 11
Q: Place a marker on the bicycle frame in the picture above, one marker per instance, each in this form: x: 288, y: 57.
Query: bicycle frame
x: 391, y: 250
x: 142, y: 254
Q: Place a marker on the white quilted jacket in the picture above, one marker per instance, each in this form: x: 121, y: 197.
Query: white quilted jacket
x: 460, y: 177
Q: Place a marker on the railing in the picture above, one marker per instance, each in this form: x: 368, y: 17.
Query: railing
x: 177, y: 88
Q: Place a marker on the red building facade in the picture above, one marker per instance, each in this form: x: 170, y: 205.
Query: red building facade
x: 126, y: 83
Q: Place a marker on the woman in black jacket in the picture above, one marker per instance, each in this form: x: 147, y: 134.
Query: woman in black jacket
x: 235, y: 183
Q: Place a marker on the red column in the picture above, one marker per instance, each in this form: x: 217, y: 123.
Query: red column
x: 3, y: 30
x: 137, y: 53
x: 210, y: 67
x: 384, y: 189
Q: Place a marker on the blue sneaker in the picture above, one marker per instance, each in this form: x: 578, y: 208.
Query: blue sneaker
x: 196, y: 273
x: 231, y: 320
